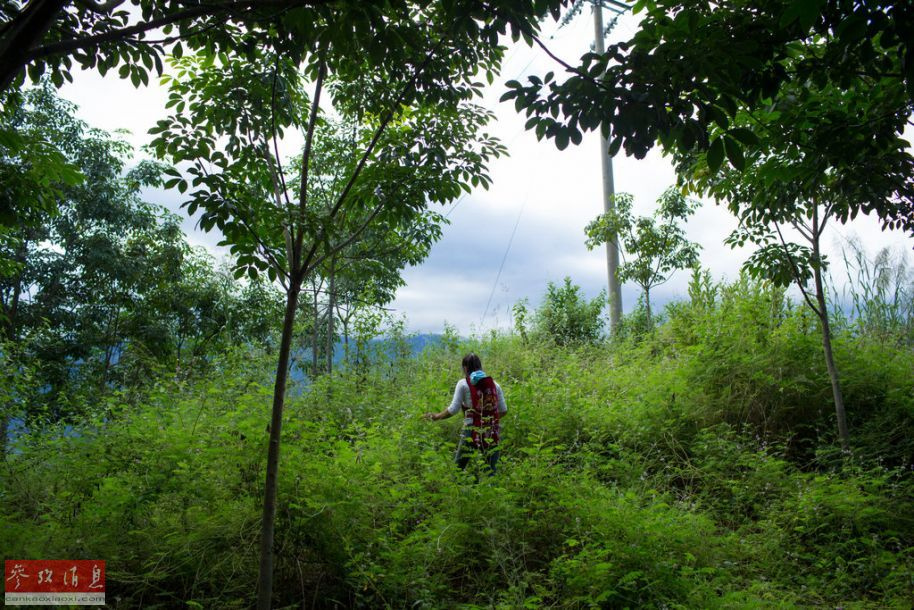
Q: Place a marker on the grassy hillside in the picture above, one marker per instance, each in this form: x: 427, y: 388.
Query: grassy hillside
x: 692, y: 468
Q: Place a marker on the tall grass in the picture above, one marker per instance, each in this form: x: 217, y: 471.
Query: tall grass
x: 879, y: 292
x: 691, y: 467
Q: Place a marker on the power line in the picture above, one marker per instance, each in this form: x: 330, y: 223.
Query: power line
x: 503, y: 259
x: 614, y: 6
x: 523, y: 206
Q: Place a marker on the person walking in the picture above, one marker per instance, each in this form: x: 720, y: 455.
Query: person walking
x: 483, y: 403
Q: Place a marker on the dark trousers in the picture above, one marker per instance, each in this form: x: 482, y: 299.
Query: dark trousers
x: 466, y: 450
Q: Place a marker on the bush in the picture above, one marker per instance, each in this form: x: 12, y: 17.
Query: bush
x: 654, y: 473
x: 565, y: 317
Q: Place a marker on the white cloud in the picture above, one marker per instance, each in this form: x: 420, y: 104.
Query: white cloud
x: 559, y: 193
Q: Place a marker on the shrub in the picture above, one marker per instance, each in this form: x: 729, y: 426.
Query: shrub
x: 654, y: 473
x: 565, y: 317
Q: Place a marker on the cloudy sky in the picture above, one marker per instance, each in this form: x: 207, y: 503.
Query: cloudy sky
x: 548, y: 195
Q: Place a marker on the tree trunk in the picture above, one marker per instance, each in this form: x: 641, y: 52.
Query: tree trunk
x: 12, y: 309
x: 826, y: 338
x: 10, y: 334
x: 331, y: 303
x: 346, y: 337
x: 109, y: 348
x: 9, y: 324
x: 647, y: 306
x: 4, y: 431
x: 265, y: 589
x: 314, y: 327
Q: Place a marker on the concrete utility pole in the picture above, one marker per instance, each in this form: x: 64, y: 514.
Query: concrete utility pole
x: 609, y: 191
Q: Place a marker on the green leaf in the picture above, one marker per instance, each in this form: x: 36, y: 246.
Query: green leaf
x: 615, y: 145
x: 734, y: 153
x: 804, y: 12
x: 715, y: 155
x: 853, y: 28
x: 719, y: 116
x: 744, y: 135
x: 561, y: 140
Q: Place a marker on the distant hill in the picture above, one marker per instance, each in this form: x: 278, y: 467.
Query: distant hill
x: 417, y: 343
x: 420, y: 342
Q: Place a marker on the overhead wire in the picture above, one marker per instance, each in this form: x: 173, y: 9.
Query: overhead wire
x: 523, y: 205
x: 514, y: 137
x: 503, y: 259
x: 517, y: 133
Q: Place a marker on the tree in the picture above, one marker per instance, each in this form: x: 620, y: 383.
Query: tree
x: 691, y: 67
x: 79, y: 253
x: 201, y: 310
x: 806, y: 100
x: 370, y: 271
x: 694, y: 68
x: 37, y: 137
x: 104, y: 285
x: 404, y: 72
x: 825, y: 152
x: 565, y: 316
x: 367, y: 271
x: 657, y: 243
x: 50, y: 35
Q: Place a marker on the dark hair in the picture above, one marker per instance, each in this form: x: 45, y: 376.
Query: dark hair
x: 471, y: 363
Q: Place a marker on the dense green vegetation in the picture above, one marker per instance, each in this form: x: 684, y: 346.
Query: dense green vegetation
x: 697, y: 466
x: 703, y: 456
